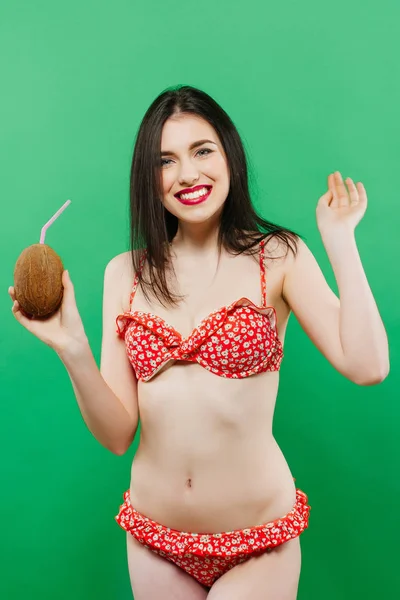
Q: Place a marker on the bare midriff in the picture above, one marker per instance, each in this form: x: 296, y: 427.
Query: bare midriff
x: 207, y: 460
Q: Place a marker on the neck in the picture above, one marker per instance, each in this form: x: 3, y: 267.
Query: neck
x: 196, y: 238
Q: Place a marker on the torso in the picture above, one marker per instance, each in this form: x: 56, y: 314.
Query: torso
x: 207, y: 460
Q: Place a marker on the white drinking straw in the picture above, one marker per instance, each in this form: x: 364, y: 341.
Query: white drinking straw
x: 53, y: 218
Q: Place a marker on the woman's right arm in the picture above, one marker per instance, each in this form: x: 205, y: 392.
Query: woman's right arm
x: 107, y: 398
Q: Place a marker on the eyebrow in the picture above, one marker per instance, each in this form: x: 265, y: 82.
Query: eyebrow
x: 191, y: 147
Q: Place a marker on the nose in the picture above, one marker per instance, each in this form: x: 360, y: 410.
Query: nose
x: 188, y: 173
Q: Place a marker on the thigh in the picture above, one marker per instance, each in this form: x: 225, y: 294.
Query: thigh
x: 153, y: 577
x: 271, y: 576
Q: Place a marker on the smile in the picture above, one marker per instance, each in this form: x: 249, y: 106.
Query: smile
x: 199, y: 194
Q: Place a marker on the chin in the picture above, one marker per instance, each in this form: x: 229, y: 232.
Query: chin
x: 194, y: 214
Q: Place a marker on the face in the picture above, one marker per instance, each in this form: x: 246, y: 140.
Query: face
x: 194, y: 169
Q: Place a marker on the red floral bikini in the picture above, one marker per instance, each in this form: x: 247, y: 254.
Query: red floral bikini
x: 235, y: 341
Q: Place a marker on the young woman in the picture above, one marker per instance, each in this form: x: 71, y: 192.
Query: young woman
x: 194, y: 325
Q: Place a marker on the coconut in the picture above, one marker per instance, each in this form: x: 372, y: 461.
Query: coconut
x: 37, y: 281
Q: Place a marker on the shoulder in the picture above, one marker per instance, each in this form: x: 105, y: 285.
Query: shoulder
x: 122, y: 264
x: 119, y: 276
x: 301, y: 252
x: 281, y: 252
x: 118, y: 263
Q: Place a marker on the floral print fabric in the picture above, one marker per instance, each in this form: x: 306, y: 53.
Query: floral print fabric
x: 235, y: 341
x: 207, y: 556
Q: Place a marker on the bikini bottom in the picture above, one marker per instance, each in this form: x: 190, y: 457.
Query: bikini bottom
x: 207, y: 556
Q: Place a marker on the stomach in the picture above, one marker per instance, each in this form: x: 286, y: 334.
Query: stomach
x: 207, y: 460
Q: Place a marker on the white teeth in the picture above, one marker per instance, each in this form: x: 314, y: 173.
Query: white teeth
x: 194, y: 195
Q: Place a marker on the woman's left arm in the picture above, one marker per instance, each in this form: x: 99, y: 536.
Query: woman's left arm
x: 349, y: 332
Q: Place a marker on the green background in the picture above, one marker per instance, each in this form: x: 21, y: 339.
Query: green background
x: 312, y: 87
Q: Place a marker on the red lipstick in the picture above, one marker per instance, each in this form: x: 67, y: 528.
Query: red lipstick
x: 192, y: 201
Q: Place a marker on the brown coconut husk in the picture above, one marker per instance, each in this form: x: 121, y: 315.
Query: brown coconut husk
x: 38, y: 281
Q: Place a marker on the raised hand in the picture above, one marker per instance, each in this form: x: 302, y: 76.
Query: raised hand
x: 340, y: 207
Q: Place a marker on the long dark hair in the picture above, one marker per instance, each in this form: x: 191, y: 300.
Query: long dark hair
x: 153, y: 227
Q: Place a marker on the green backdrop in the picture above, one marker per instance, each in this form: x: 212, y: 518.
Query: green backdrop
x: 312, y: 87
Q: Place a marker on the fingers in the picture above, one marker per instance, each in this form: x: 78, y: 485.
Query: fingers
x: 69, y: 292
x: 19, y: 314
x: 362, y: 194
x: 341, y: 194
x: 325, y: 199
x: 16, y: 309
x: 66, y: 281
x: 352, y: 191
x: 332, y: 187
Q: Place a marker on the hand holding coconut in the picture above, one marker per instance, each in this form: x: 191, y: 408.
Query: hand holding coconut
x: 43, y: 295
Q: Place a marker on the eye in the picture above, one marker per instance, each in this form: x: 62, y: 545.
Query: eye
x: 165, y: 161
x: 207, y: 150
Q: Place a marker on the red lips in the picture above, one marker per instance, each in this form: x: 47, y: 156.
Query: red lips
x: 191, y: 190
x: 192, y: 201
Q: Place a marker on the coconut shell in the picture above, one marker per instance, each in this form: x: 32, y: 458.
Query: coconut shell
x: 37, y: 281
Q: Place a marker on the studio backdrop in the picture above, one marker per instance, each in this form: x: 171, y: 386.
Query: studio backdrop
x: 312, y: 87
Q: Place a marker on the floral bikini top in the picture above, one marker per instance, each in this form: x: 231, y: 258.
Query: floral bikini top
x: 235, y: 341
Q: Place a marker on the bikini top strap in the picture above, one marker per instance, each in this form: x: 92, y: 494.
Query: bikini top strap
x: 137, y: 274
x: 262, y: 274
